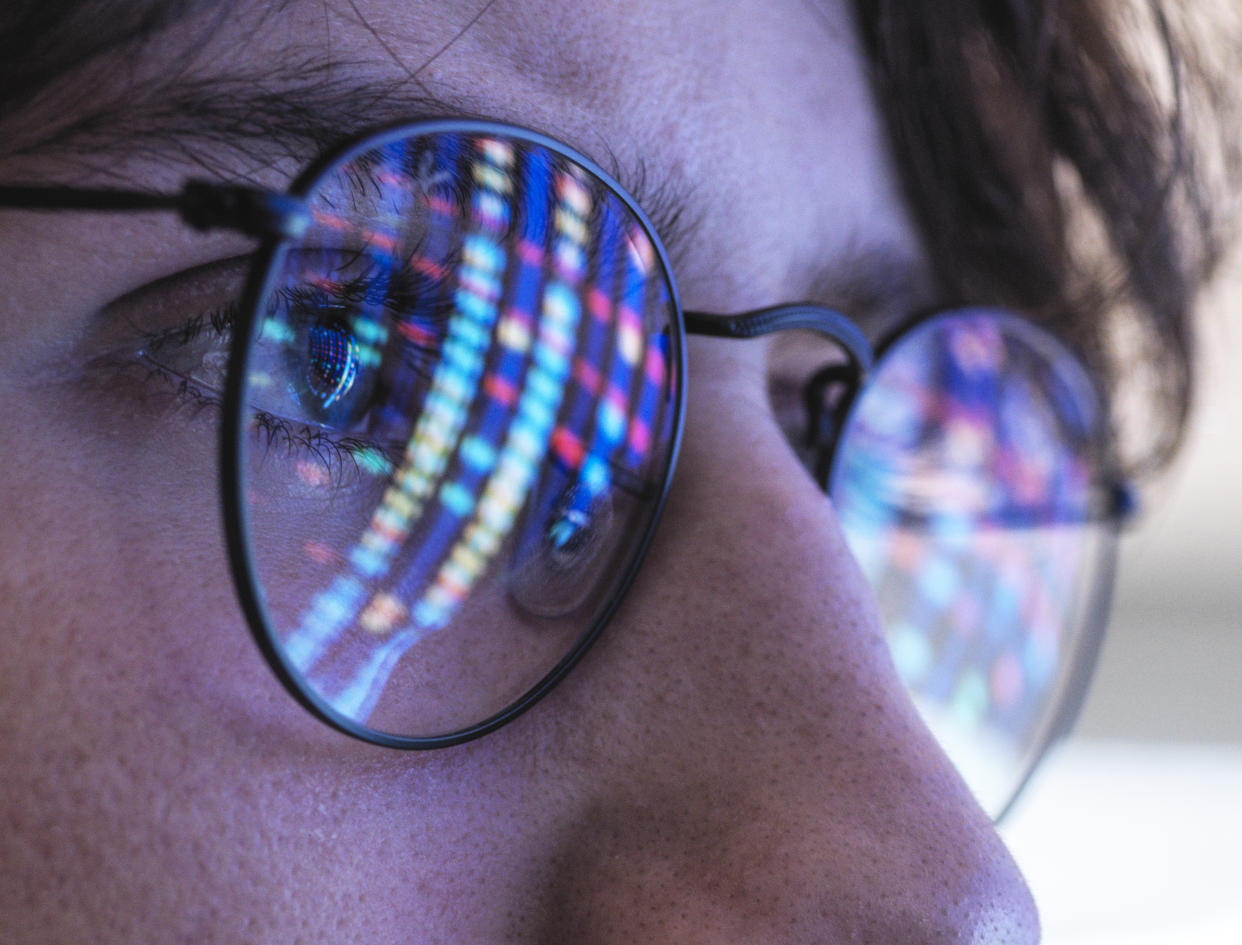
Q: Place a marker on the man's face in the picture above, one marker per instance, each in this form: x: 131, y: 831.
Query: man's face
x: 734, y: 761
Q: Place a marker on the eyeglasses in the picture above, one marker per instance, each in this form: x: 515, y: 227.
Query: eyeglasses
x: 452, y: 411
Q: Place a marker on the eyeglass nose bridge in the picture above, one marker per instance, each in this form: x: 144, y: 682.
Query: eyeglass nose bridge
x: 791, y: 317
x: 823, y: 418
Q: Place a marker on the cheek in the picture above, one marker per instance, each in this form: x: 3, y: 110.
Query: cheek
x: 114, y: 577
x: 143, y: 737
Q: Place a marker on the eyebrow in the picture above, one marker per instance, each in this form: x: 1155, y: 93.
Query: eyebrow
x: 292, y: 110
x: 234, y: 127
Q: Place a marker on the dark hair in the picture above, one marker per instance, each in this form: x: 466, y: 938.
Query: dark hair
x: 1043, y: 167
x: 40, y: 40
x: 1048, y: 172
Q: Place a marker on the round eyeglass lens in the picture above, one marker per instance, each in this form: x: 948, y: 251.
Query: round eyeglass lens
x: 460, y: 410
x: 971, y: 481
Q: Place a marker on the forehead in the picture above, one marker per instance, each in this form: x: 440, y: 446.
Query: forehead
x: 752, y: 119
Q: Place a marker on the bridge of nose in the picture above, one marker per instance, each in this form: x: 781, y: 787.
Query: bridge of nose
x: 752, y: 766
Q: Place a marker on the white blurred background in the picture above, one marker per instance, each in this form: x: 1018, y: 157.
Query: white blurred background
x: 1131, y: 832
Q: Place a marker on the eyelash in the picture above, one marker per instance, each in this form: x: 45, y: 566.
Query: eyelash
x: 342, y: 458
x: 332, y: 452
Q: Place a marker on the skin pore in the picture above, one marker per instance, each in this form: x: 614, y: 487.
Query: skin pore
x: 734, y: 761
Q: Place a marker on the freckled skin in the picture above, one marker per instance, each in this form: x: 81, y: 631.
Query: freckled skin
x: 735, y: 760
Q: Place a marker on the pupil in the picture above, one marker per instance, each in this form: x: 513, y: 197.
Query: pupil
x: 333, y: 364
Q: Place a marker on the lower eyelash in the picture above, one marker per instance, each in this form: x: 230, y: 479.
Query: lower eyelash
x: 338, y: 461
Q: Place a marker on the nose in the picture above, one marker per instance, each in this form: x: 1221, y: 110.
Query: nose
x: 752, y: 768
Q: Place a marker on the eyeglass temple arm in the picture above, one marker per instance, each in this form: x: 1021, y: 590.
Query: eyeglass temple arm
x: 201, y: 204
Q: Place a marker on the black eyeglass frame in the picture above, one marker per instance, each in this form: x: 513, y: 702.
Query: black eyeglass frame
x: 277, y: 219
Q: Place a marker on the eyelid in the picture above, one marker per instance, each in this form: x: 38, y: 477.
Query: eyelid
x: 165, y: 306
x: 184, y: 352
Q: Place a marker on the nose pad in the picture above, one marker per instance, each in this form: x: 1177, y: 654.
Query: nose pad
x: 826, y: 398
x: 751, y: 766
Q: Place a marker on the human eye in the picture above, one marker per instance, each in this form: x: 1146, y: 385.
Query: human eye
x: 318, y: 383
